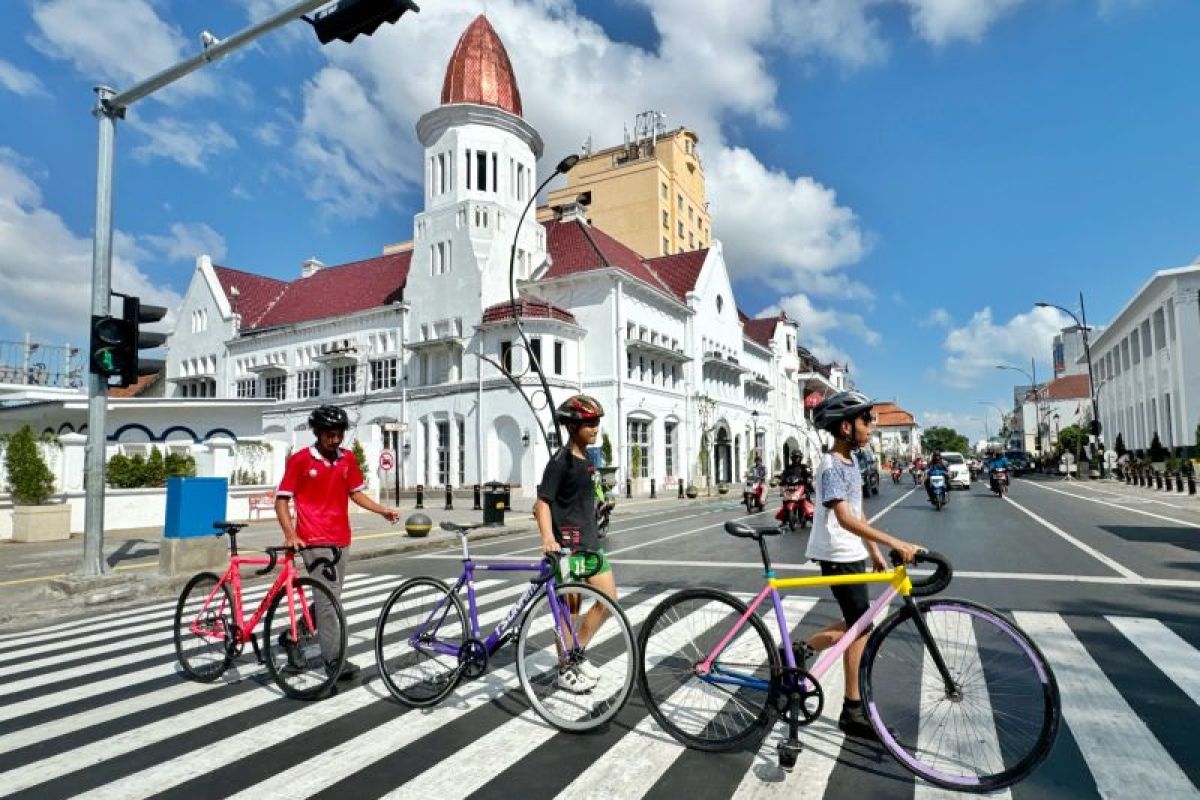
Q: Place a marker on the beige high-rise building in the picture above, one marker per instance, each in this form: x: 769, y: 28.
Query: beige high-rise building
x: 647, y: 193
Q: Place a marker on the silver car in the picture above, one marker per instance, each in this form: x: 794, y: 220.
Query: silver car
x: 956, y: 465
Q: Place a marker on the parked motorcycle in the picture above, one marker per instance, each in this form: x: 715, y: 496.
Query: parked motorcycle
x: 938, y: 484
x: 797, y: 509
x: 999, y: 481
x: 754, y: 494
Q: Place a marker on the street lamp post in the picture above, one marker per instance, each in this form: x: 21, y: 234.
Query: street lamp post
x: 1037, y: 406
x: 1095, y: 428
x: 999, y: 410
x: 754, y: 447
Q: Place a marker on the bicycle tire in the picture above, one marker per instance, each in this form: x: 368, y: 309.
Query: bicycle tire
x: 1009, y: 754
x: 220, y: 617
x: 392, y: 648
x: 761, y: 703
x: 612, y: 652
x: 302, y: 671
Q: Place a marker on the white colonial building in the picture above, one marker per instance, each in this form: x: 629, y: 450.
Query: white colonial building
x: 1147, y: 364
x: 412, y: 342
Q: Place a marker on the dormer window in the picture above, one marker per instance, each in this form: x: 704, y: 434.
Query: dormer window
x: 720, y: 304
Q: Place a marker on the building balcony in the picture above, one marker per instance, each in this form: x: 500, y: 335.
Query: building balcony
x: 724, y: 363
x: 445, y: 342
x: 643, y: 347
x: 759, y: 382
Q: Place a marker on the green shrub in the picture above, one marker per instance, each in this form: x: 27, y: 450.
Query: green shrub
x: 606, y: 449
x: 1119, y: 446
x: 156, y: 469
x: 635, y: 463
x: 179, y: 466
x: 1157, y: 451
x: 29, y: 479
x: 361, y: 458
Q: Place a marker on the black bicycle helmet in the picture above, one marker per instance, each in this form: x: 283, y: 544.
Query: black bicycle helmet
x: 840, y: 407
x: 328, y: 418
x: 579, y: 408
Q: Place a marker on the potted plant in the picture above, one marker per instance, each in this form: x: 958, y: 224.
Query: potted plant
x: 691, y: 492
x: 31, y: 484
x: 722, y: 488
x: 1158, y: 454
x: 635, y: 468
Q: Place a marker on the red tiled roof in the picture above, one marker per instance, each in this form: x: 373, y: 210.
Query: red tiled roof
x: 577, y: 247
x: 479, y: 71
x: 250, y: 295
x: 329, y: 292
x: 144, y: 384
x: 1068, y: 387
x: 892, y: 415
x: 760, y: 330
x: 527, y: 309
x: 680, y: 271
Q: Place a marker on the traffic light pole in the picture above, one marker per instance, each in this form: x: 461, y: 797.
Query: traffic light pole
x: 110, y: 106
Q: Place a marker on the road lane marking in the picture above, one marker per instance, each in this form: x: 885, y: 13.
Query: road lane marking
x: 891, y: 505
x: 1177, y: 659
x: 1118, y: 505
x: 1133, y: 498
x: 612, y: 532
x: 1122, y: 754
x: 1111, y: 563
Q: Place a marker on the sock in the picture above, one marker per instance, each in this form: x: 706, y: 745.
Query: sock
x: 849, y: 704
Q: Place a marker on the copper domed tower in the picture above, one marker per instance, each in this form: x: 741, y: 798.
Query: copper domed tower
x: 479, y: 71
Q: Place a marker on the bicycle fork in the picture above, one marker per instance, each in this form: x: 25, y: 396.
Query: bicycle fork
x: 953, y: 691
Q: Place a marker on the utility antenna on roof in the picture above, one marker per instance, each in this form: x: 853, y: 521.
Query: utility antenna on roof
x: 648, y: 126
x: 587, y: 147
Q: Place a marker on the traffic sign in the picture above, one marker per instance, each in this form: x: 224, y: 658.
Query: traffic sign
x: 387, y: 461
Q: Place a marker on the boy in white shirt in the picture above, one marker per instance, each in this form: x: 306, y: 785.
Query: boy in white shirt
x: 841, y: 539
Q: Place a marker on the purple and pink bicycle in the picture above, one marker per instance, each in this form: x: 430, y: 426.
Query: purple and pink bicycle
x: 955, y: 691
x: 575, y: 650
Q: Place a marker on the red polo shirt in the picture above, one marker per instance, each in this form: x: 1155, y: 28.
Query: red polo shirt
x: 320, y: 492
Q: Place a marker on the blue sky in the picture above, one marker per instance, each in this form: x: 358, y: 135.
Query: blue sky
x: 904, y: 176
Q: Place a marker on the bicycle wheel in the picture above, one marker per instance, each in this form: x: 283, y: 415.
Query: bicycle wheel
x: 609, y: 659
x: 418, y: 636
x: 204, y: 634
x: 735, y: 700
x: 308, y: 665
x: 1001, y: 722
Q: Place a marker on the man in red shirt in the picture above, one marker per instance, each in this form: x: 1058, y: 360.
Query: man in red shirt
x: 317, y: 481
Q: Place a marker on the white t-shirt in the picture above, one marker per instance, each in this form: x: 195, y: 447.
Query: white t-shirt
x: 829, y: 541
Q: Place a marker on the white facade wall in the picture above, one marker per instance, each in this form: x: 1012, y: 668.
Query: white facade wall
x: 1147, y: 364
x: 196, y: 347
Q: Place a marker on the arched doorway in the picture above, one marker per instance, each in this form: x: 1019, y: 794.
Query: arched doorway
x: 505, y: 452
x: 723, y: 456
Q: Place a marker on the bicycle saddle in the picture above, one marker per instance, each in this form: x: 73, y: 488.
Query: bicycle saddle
x: 743, y: 531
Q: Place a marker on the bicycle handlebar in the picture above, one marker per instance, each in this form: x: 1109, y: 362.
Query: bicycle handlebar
x: 327, y: 565
x: 938, y: 581
x: 591, y: 561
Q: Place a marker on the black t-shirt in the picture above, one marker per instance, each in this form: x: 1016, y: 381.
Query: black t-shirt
x: 567, y: 488
x: 797, y: 474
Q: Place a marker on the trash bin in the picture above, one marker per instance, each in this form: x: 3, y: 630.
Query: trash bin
x: 495, y: 501
x: 193, y: 505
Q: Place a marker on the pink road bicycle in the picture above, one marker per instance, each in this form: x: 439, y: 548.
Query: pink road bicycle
x: 303, y: 649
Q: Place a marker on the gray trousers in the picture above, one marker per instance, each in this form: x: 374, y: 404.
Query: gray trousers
x: 327, y: 624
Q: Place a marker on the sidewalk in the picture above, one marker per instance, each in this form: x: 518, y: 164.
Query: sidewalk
x: 36, y: 583
x: 1119, y: 491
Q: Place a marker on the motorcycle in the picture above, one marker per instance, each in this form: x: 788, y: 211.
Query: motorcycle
x: 938, y: 484
x: 754, y: 493
x: 797, y: 509
x: 999, y: 481
x: 896, y: 473
x: 918, y: 474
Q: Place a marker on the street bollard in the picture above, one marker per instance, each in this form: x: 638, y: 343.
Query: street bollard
x: 680, y: 489
x: 1191, y: 484
x: 1179, y: 483
x: 653, y: 493
x: 449, y: 498
x: 1158, y: 482
x: 420, y: 495
x: 628, y: 488
x: 477, y: 507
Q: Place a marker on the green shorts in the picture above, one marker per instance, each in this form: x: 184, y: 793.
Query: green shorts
x: 579, y: 565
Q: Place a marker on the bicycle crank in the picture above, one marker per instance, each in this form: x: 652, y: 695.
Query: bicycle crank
x: 801, y: 699
x: 472, y: 659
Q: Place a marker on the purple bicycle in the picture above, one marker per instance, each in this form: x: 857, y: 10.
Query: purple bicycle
x: 576, y: 652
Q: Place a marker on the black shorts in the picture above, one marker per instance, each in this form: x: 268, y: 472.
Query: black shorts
x: 854, y: 600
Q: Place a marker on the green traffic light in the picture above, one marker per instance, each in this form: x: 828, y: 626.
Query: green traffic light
x: 106, y: 360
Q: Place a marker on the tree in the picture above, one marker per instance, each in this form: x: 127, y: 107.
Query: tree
x: 944, y: 440
x: 156, y: 469
x: 1072, y: 439
x: 606, y: 450
x: 635, y: 462
x: 361, y: 458
x: 1119, y: 445
x: 1157, y: 451
x: 29, y: 479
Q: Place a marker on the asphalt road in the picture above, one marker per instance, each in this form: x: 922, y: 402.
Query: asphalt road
x: 1106, y: 586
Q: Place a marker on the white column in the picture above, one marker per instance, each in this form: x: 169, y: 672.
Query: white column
x: 453, y: 450
x: 221, y: 448
x: 72, y: 461
x: 430, y: 452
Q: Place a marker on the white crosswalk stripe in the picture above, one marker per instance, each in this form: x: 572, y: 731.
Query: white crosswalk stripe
x: 1124, y: 757
x: 1119, y: 748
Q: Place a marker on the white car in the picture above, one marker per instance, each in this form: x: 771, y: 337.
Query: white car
x: 956, y: 465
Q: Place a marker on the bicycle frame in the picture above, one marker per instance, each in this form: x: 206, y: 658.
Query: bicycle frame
x: 497, y: 638
x: 899, y: 584
x: 233, y: 578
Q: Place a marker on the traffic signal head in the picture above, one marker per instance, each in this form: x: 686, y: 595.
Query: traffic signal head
x: 108, y: 349
x: 349, y: 18
x: 1094, y: 427
x: 134, y: 315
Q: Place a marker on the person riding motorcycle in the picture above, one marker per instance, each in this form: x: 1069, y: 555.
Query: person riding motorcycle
x: 798, y: 472
x: 996, y: 461
x: 757, y: 478
x: 936, y: 467
x: 758, y: 472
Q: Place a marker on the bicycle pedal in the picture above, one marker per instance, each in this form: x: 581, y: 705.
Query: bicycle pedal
x: 788, y: 750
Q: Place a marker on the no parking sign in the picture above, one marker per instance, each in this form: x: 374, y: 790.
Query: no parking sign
x: 387, y: 461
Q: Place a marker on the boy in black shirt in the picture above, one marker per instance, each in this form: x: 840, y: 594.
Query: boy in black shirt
x: 565, y: 512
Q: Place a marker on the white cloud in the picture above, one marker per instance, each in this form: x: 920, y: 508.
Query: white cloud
x: 978, y: 346
x: 18, y: 81
x: 937, y: 318
x: 190, y: 144
x: 942, y: 21
x: 269, y: 133
x: 121, y: 42
x: 185, y: 241
x: 46, y: 268
x: 817, y: 323
x: 840, y: 29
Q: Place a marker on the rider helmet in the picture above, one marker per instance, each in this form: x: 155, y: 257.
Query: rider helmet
x: 579, y: 408
x: 797, y: 457
x: 839, y: 408
x: 328, y: 418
